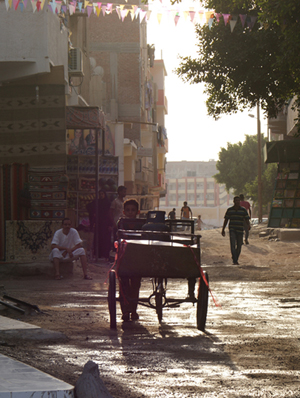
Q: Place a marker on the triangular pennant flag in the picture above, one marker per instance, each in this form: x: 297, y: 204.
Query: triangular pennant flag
x: 64, y: 8
x: 16, y: 3
x: 104, y: 7
x: 137, y: 12
x: 218, y: 15
x: 71, y: 9
x: 118, y: 11
x: 80, y: 4
x: 232, y: 24
x: 243, y: 19
x: 148, y: 15
x: 226, y: 18
x: 210, y: 22
x: 185, y: 15
x: 109, y: 8
x: 122, y: 6
x: 142, y: 15
x: 7, y: 5
x: 98, y: 10
x: 33, y: 3
x: 89, y: 10
x: 38, y: 5
x: 25, y: 3
x: 176, y: 19
x: 123, y: 14
x: 53, y: 6
x: 192, y: 15
x: 58, y: 6
x: 42, y: 4
x: 201, y: 16
x: 251, y: 22
x: 208, y: 16
x: 159, y: 16
x: 132, y: 14
x: 21, y: 6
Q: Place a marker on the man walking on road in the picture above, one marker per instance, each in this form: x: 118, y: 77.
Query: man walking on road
x: 237, y: 215
x: 246, y: 204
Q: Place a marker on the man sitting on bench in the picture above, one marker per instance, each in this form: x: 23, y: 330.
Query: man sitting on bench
x: 67, y: 245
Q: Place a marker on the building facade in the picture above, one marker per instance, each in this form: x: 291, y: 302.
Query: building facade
x: 193, y: 182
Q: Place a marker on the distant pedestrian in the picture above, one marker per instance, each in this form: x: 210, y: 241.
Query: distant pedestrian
x: 246, y: 204
x: 185, y: 212
x: 172, y: 214
x: 199, y: 223
x: 236, y: 215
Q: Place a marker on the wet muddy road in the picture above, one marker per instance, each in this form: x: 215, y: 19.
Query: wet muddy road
x: 250, y: 348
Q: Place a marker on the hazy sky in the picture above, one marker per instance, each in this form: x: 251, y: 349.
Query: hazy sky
x: 192, y: 134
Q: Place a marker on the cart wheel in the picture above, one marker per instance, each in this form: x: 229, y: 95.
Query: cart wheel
x: 202, y: 303
x: 112, y: 299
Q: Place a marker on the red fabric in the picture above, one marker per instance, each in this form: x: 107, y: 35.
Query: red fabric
x: 245, y: 204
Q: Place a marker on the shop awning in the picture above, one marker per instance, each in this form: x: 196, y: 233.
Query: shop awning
x: 80, y: 117
x: 282, y: 151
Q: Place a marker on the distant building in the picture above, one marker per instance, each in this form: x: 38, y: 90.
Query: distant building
x: 193, y: 182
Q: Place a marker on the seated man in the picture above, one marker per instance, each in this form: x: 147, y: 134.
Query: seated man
x: 66, y: 244
x: 129, y: 287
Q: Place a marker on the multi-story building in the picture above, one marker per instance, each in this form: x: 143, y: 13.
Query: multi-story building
x: 193, y: 182
x: 64, y: 76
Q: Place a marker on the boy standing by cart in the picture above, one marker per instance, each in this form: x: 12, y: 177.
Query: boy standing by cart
x: 129, y: 286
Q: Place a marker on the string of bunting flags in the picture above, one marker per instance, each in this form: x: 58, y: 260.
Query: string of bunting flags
x: 143, y: 12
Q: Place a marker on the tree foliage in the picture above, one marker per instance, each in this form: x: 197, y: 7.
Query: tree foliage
x: 247, y: 66
x: 238, y: 170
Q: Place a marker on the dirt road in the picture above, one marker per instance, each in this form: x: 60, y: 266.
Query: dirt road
x: 250, y: 348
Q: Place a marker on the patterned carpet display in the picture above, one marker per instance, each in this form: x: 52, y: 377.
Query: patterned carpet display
x: 29, y: 240
x: 48, y: 191
x: 13, y: 201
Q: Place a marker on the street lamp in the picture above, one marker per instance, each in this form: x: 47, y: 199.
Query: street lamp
x: 258, y: 164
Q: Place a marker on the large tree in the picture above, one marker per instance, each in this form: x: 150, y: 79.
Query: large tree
x: 248, y: 65
x: 237, y: 166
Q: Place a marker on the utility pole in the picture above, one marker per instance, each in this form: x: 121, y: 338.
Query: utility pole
x: 259, y: 167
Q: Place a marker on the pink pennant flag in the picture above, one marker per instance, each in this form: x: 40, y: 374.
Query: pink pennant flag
x: 192, y: 15
x: 64, y: 8
x: 218, y: 15
x: 16, y: 3
x: 71, y: 9
x: 103, y: 9
x: 25, y: 3
x: 124, y: 14
x: 226, y: 18
x: 109, y: 8
x: 176, y: 19
x: 243, y: 19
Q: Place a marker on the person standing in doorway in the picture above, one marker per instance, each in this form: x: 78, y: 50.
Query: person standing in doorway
x: 185, y: 212
x: 246, y: 204
x: 236, y: 215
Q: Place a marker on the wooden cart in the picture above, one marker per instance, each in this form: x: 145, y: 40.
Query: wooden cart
x: 160, y: 255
